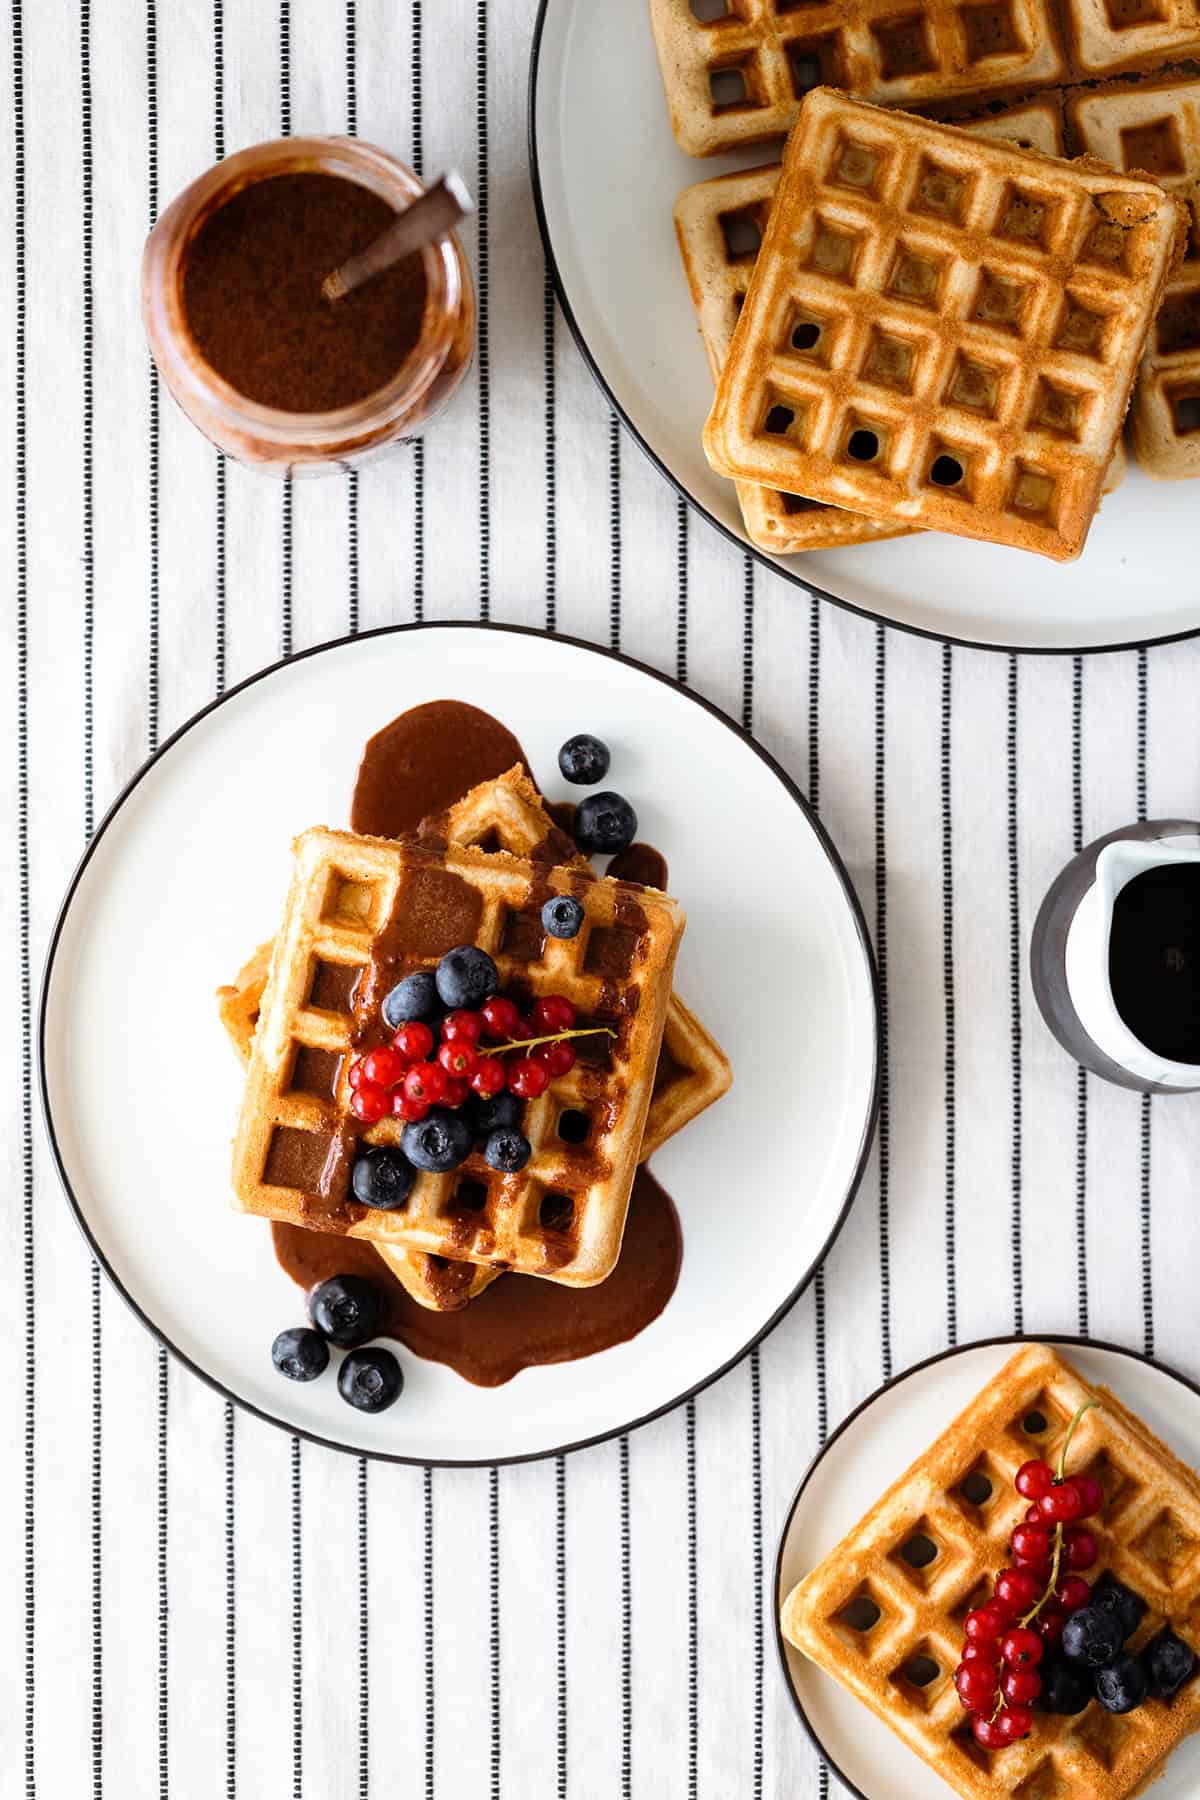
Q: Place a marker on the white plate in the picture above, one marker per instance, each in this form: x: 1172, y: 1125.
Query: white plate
x: 606, y: 173
x: 189, y: 872
x: 875, y: 1445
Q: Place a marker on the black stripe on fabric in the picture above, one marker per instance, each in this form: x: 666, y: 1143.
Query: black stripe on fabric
x: 219, y: 80
x: 549, y: 352
x: 494, y: 1622
x: 560, y: 1603
x: 29, y: 1291
x: 418, y: 448
x: 351, y: 70
x: 364, y: 1638
x: 1081, y: 1079
x: 948, y: 993
x: 418, y: 118
x: 756, y: 1543
x: 1143, y: 719
x: 614, y: 532
x: 683, y: 584
x: 484, y: 320
x: 430, y: 1740
x: 748, y: 643
x: 297, y: 1627
x: 418, y: 529
x: 285, y: 598
x: 1147, y: 1111
x: 693, y: 1580
x: 352, y: 551
x: 164, y: 1707
x: 230, y: 1607
x: 1014, y: 967
x: 285, y: 68
x: 881, y: 957
x: 814, y: 800
x: 626, y: 1621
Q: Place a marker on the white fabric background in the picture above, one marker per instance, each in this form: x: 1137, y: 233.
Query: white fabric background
x: 192, y: 1605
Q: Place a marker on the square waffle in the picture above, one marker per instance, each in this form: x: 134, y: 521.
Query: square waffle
x: 736, y: 71
x: 982, y: 309
x: 879, y: 1611
x: 1156, y: 126
x: 360, y: 913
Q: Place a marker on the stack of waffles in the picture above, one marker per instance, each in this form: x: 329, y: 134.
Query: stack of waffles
x: 883, y: 1613
x: 361, y: 913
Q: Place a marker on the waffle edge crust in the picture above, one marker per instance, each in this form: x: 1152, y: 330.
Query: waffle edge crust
x: 368, y: 909
x: 982, y: 312
x: 1149, y: 1538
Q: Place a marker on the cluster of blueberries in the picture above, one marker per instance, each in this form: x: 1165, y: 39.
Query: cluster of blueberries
x: 346, y: 1311
x: 1094, y: 1662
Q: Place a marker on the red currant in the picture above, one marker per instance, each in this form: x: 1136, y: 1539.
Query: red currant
x: 1080, y: 1549
x: 488, y: 1078
x: 1001, y: 1611
x: 1091, y: 1495
x: 369, y: 1103
x: 462, y: 1028
x: 526, y: 1078
x: 458, y: 1059
x: 1022, y: 1649
x: 552, y: 1013
x: 500, y: 1016
x: 1061, y: 1504
x: 385, y: 1067
x: 408, y: 1110
x: 982, y: 1627
x: 1018, y: 1589
x: 356, y: 1072
x: 975, y: 1684
x: 988, y: 1733
x: 1031, y: 1543
x: 1034, y: 1515
x: 557, y: 1059
x: 1034, y: 1479
x: 425, y: 1083
x: 1020, y: 1686
x: 984, y: 1652
x: 1014, y: 1722
x: 1050, y: 1626
x: 414, y: 1041
x: 1072, y: 1593
x: 456, y: 1091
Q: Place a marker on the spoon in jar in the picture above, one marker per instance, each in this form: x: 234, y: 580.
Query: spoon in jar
x: 437, y: 212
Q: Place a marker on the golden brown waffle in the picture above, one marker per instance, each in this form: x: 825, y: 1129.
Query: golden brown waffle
x: 879, y: 1609
x: 737, y: 71
x: 361, y: 912
x: 1155, y: 125
x: 980, y: 313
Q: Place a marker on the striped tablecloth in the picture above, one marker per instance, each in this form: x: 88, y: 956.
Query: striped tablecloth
x: 193, y: 1604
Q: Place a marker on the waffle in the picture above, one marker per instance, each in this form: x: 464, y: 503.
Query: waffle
x: 737, y: 71
x: 980, y: 311
x: 1156, y: 126
x: 878, y: 1611
x: 363, y: 911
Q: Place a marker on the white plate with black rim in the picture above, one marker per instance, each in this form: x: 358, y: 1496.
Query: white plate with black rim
x: 606, y: 174
x: 864, y: 1456
x: 189, y: 872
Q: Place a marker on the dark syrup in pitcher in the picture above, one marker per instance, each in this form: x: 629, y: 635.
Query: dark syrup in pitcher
x: 1154, y: 959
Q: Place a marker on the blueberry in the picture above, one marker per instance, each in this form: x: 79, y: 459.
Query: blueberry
x: 1092, y: 1637
x: 485, y: 1115
x: 1066, y: 1688
x: 604, y: 824
x: 345, y: 1309
x: 1168, y: 1662
x: 584, y: 760
x: 382, y: 1178
x: 437, y: 1143
x: 301, y: 1354
x: 466, y: 977
x: 562, y: 916
x: 413, y: 998
x: 370, y: 1380
x: 1116, y: 1598
x: 1122, y: 1685
x: 507, y: 1150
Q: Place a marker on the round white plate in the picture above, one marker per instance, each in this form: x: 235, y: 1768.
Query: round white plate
x: 606, y: 175
x: 189, y: 873
x: 864, y: 1456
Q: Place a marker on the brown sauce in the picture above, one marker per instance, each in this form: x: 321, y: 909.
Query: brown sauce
x: 519, y: 1322
x: 1154, y: 959
x: 252, y: 294
x: 412, y: 771
x: 641, y: 863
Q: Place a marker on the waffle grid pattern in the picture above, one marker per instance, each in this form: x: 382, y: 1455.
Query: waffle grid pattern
x: 563, y: 1215
x: 978, y: 317
x: 884, y: 1611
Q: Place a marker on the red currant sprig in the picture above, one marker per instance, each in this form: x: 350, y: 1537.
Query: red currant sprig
x: 998, y: 1680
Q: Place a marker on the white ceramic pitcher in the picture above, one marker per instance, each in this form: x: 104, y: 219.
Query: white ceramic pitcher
x: 1069, y: 955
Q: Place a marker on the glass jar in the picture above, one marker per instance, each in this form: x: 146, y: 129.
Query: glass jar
x: 267, y: 438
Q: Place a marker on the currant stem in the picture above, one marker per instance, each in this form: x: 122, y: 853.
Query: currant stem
x: 553, y: 1037
x: 1071, y: 1430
